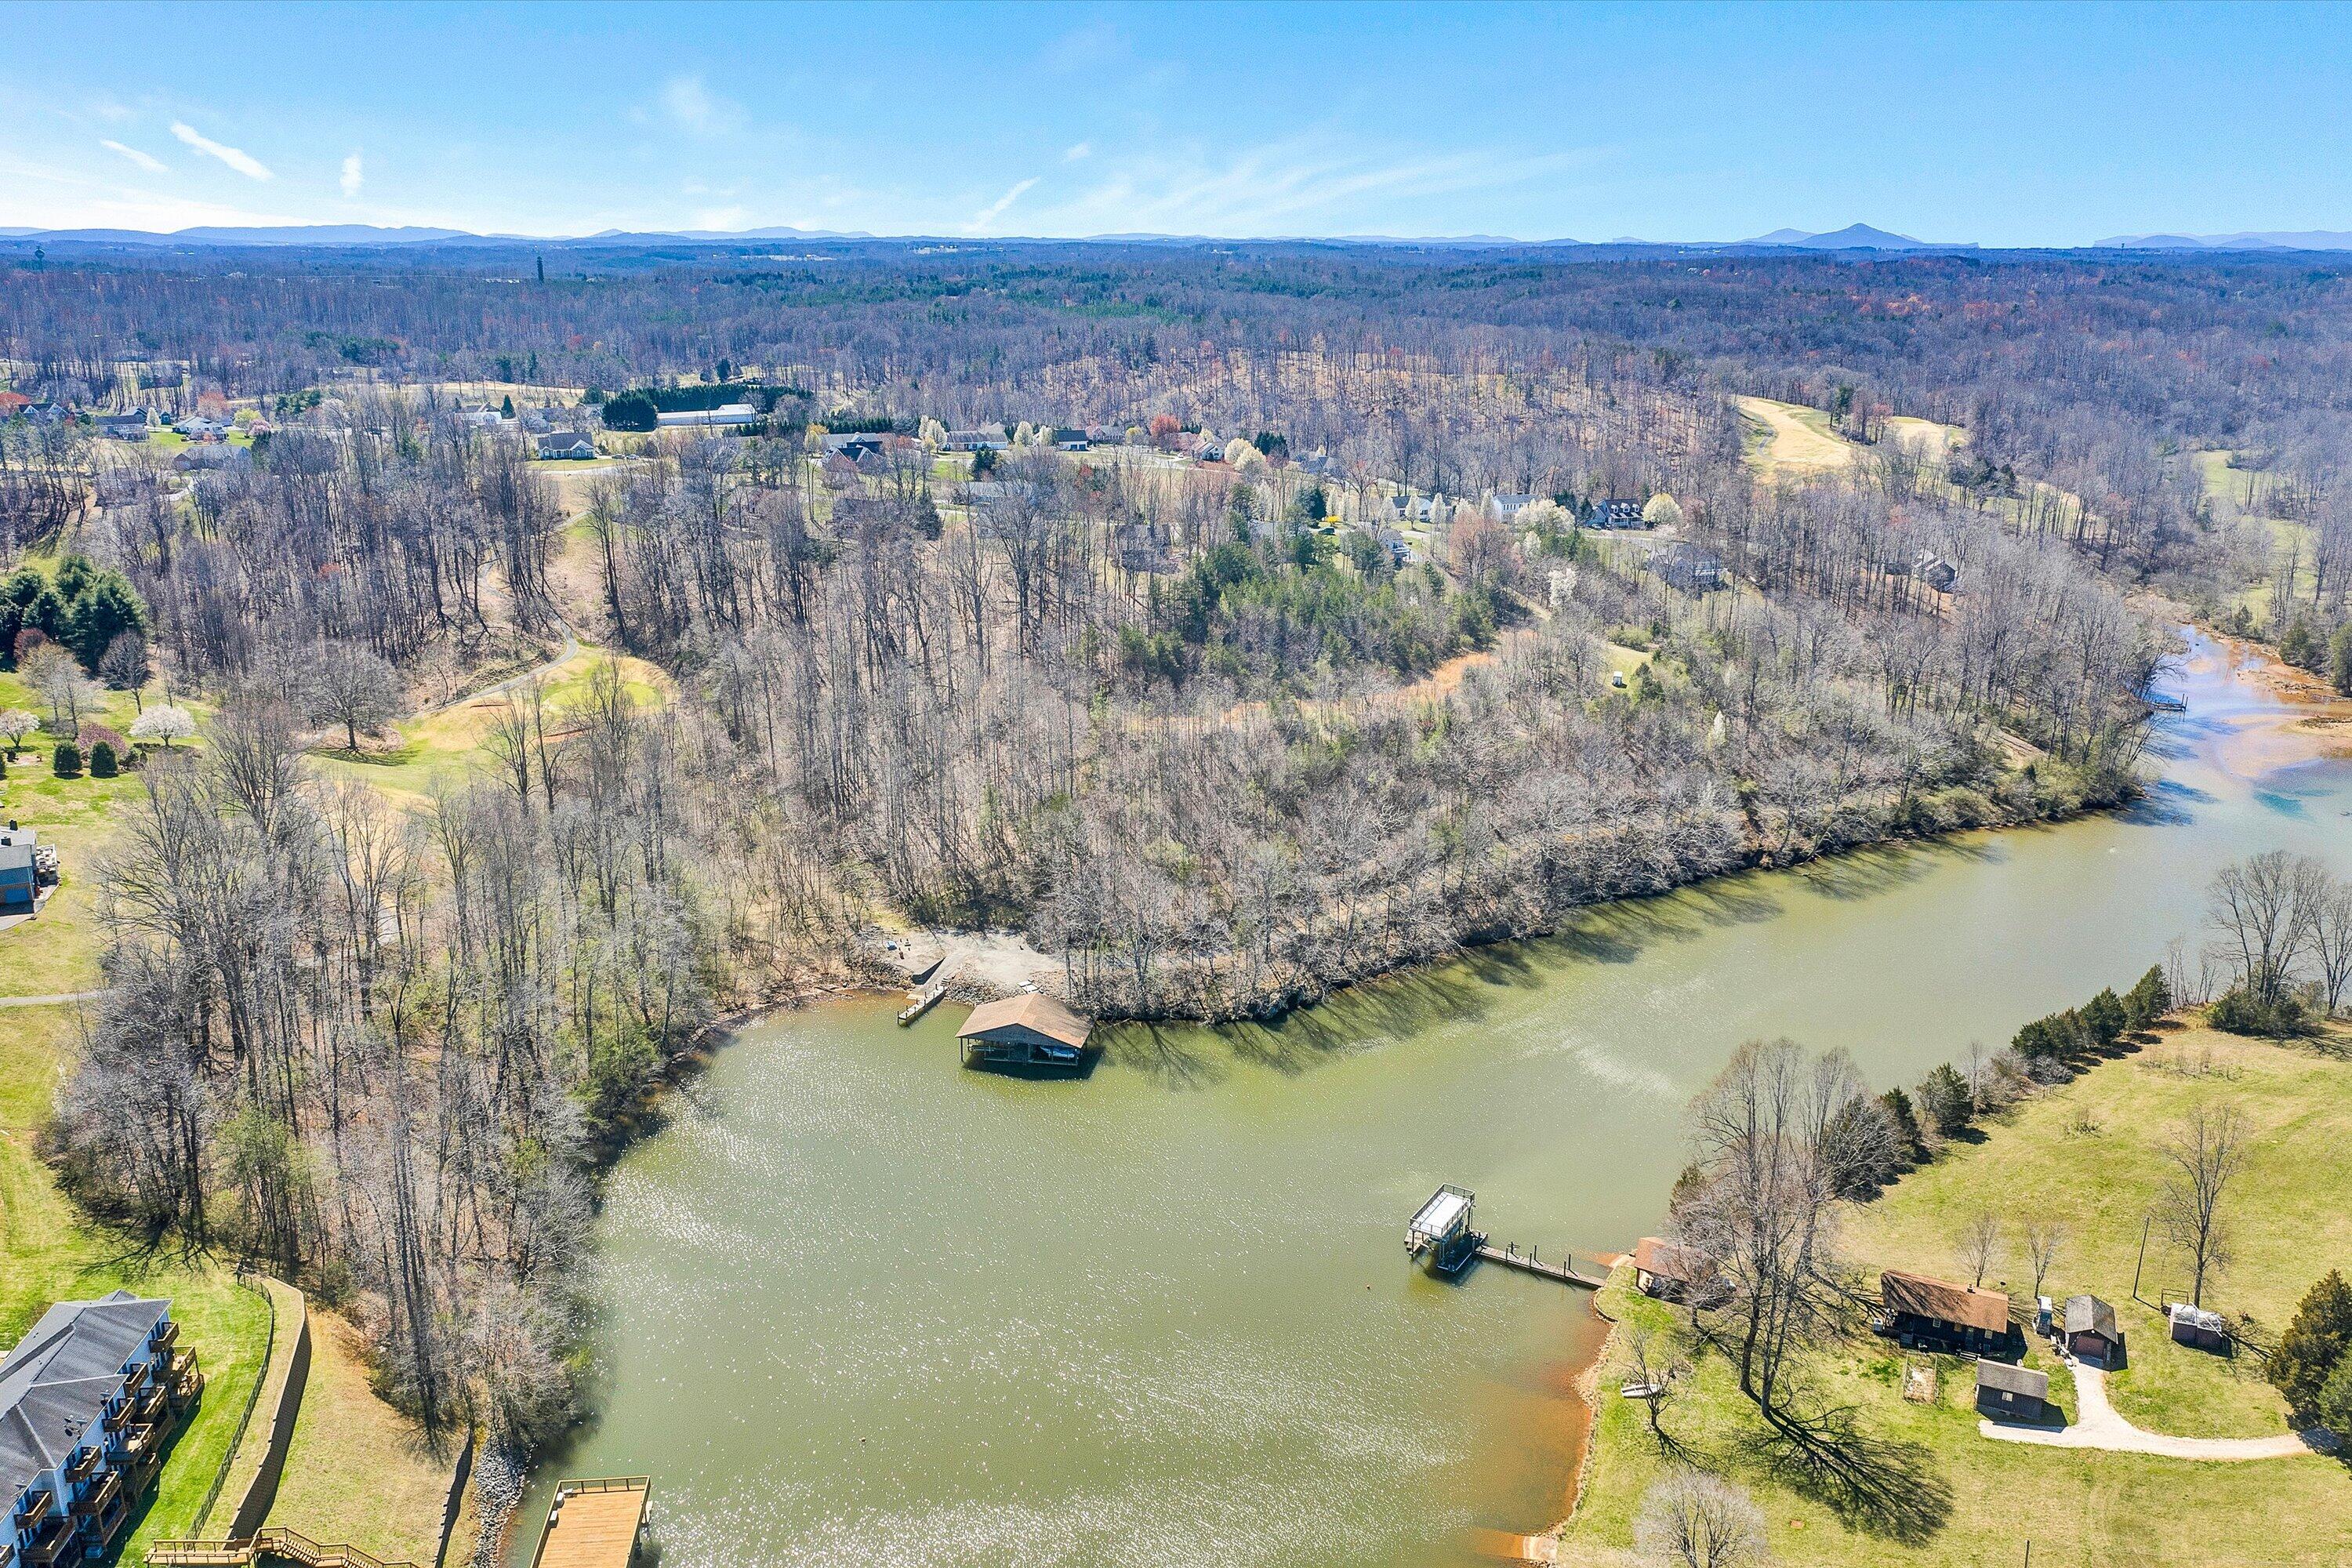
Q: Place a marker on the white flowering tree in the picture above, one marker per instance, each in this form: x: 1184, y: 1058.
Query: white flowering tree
x: 165, y: 722
x: 16, y: 723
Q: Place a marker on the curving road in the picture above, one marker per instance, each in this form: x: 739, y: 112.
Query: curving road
x: 2099, y: 1425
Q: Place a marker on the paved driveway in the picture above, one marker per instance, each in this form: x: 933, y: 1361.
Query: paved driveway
x: 2098, y: 1425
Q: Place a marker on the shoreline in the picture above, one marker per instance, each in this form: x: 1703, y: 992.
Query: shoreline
x: 864, y: 973
x: 2313, y: 723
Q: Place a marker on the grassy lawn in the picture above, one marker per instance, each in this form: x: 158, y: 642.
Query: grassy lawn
x: 2085, y: 1155
x: 50, y: 1252
x: 357, y: 1472
x: 1791, y: 438
x: 2089, y: 1155
x: 59, y: 951
x: 446, y: 745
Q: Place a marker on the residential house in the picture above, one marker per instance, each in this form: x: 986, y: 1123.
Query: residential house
x: 479, y: 416
x: 129, y: 425
x: 1207, y: 448
x: 2199, y: 1329
x: 857, y: 445
x: 12, y: 404
x: 1030, y: 1030
x: 20, y: 879
x: 1664, y: 1270
x: 2090, y: 1332
x: 1618, y: 513
x: 88, y: 1400
x: 567, y: 444
x: 1936, y: 572
x: 215, y: 458
x: 1921, y: 1313
x: 1144, y: 547
x: 1319, y: 463
x: 1503, y: 508
x: 2010, y: 1392
x: 1688, y: 568
x: 981, y: 438
x: 1068, y: 440
x: 196, y: 428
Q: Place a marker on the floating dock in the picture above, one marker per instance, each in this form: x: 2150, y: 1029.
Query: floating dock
x: 922, y: 1001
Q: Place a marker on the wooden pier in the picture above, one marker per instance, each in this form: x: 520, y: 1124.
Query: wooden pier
x: 922, y: 1001
x: 1443, y: 1230
x: 1565, y: 1271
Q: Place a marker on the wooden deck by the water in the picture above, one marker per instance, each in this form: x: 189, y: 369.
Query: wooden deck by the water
x: 282, y: 1545
x: 594, y: 1524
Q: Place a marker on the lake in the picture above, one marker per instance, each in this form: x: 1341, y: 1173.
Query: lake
x: 859, y: 1306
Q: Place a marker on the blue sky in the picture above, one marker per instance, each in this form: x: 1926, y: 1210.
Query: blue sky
x: 2007, y: 124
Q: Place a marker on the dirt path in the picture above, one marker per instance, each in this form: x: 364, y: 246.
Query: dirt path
x: 57, y: 999
x: 2098, y: 1425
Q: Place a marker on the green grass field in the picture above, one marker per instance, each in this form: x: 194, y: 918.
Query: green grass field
x: 2086, y: 1155
x: 50, y: 1252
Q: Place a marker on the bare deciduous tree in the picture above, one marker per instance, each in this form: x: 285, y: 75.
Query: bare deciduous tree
x: 1979, y: 1244
x: 348, y: 686
x: 2044, y: 1238
x: 2331, y: 946
x: 2264, y: 909
x: 1691, y: 1520
x: 2206, y: 1152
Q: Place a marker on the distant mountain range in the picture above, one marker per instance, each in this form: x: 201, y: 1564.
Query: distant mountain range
x: 1853, y: 237
x: 1858, y: 238
x: 2273, y: 240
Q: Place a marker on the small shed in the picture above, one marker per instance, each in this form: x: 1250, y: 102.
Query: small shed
x: 1028, y: 1030
x: 2007, y: 1392
x: 2199, y: 1329
x: 2091, y: 1331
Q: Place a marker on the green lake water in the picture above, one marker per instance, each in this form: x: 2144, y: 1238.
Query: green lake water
x: 857, y: 1306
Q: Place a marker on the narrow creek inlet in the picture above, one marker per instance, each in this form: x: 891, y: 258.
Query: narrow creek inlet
x: 858, y: 1305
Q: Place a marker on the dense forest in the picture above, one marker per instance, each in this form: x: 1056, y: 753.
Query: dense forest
x: 1211, y: 751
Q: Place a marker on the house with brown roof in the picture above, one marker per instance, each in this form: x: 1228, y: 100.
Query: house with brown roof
x: 1031, y: 1030
x: 1666, y: 1270
x: 1921, y: 1313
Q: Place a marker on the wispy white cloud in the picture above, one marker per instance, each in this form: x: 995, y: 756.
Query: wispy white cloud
x: 1308, y: 185
x: 1088, y: 47
x: 690, y: 104
x: 1083, y: 150
x: 244, y: 163
x: 42, y: 195
x: 995, y: 209
x: 354, y: 175
x: 146, y: 161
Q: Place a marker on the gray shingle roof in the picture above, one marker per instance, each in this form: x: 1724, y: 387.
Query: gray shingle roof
x: 2088, y: 1314
x: 57, y: 1379
x: 2015, y: 1379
